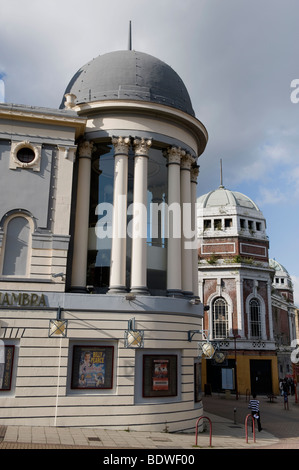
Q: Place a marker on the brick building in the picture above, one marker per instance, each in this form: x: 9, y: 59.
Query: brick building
x: 245, y: 314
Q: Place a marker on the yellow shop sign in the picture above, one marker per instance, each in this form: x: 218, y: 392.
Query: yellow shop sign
x: 22, y: 299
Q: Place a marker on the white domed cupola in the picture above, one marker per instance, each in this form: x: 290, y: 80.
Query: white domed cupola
x: 230, y: 224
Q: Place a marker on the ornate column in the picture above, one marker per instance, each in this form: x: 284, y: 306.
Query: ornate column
x: 174, y: 274
x: 194, y: 176
x: 119, y: 220
x: 240, y: 305
x: 139, y: 225
x: 271, y: 332
x: 186, y: 250
x: 79, y: 265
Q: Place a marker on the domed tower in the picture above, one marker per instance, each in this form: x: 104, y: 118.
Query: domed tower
x: 140, y: 149
x: 235, y: 284
x: 284, y: 317
x: 132, y: 246
x: 282, y: 281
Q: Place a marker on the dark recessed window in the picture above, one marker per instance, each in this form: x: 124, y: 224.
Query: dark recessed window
x: 26, y: 155
x: 217, y: 224
x: 207, y: 224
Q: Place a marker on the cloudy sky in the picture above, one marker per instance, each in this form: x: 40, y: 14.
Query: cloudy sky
x: 237, y: 58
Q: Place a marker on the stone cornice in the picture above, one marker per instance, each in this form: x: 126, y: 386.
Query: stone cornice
x: 194, y: 126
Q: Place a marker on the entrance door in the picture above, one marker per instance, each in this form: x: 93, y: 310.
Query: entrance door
x: 261, y: 376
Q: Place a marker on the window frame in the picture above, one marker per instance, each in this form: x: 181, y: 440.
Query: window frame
x: 255, y: 324
x: 223, y: 325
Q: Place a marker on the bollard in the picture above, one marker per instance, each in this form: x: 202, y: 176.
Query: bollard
x: 235, y: 414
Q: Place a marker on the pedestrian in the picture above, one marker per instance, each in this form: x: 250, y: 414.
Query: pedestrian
x: 285, y: 400
x: 254, y: 405
x: 281, y: 387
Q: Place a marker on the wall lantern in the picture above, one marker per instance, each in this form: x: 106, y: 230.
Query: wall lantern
x: 133, y: 338
x: 205, y: 346
x: 58, y: 327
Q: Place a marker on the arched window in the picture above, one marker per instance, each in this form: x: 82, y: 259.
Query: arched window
x: 255, y: 318
x: 220, y: 318
x: 17, y: 239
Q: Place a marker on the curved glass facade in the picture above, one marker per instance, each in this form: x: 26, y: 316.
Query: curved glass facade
x: 100, y: 218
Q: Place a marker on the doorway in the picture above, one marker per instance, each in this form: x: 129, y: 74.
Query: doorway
x: 261, y: 376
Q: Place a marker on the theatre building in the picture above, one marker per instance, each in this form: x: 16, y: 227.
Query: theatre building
x: 251, y: 314
x: 97, y: 300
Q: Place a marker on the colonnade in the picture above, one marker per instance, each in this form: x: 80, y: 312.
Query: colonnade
x: 182, y: 259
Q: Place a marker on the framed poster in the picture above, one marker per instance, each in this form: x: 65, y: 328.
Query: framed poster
x: 6, y: 366
x: 159, y: 375
x: 92, y: 367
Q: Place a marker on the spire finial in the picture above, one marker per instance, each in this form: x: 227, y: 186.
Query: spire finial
x: 221, y: 179
x: 130, y: 36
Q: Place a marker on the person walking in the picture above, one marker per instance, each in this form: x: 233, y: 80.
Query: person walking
x: 254, y: 405
x: 285, y: 400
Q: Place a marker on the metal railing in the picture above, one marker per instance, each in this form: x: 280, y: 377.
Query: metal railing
x: 253, y: 427
x: 196, y: 432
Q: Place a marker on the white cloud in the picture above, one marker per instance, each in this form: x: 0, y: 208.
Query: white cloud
x: 270, y: 196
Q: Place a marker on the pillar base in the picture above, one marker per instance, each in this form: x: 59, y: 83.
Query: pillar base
x: 174, y: 293
x: 119, y: 290
x: 79, y: 290
x: 188, y: 294
x: 139, y: 290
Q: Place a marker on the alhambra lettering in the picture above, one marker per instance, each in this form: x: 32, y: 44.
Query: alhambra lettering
x: 21, y: 299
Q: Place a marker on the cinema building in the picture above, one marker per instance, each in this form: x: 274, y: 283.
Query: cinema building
x: 96, y: 311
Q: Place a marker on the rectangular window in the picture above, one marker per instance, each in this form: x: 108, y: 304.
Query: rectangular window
x: 242, y: 223
x: 259, y: 226
x: 92, y: 367
x: 228, y: 223
x: 6, y: 366
x: 250, y: 224
x: 217, y: 224
x: 255, y: 319
x: 159, y: 375
x: 207, y: 224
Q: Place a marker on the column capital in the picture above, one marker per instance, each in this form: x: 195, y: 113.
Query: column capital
x: 85, y: 149
x: 186, y: 161
x: 142, y: 146
x: 174, y: 155
x: 121, y: 145
x: 194, y: 173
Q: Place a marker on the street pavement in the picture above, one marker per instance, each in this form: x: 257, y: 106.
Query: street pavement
x: 225, y: 415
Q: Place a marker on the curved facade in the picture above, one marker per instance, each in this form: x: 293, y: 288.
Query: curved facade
x: 98, y: 308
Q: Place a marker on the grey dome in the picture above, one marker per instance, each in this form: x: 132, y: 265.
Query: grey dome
x: 129, y: 75
x: 224, y: 197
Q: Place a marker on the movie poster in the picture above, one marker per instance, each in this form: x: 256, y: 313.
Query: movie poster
x: 92, y: 367
x: 159, y: 375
